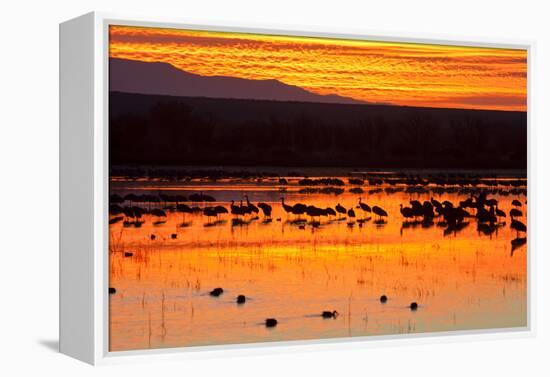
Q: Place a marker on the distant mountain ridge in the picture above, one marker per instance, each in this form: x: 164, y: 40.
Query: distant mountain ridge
x: 133, y: 76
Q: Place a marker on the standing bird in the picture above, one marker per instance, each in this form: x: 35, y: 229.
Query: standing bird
x: 210, y: 212
x: 514, y: 212
x: 491, y: 202
x: 500, y: 213
x: 251, y: 206
x: 351, y: 215
x: 428, y: 211
x: 364, y: 206
x: 299, y: 209
x: 183, y: 208
x: 330, y: 212
x: 246, y: 210
x: 447, y: 204
x: 220, y: 210
x: 236, y: 210
x: 380, y: 212
x: 340, y: 209
x: 313, y: 212
x: 159, y: 213
x: 407, y: 212
x: 417, y: 208
x: 266, y: 209
x: 286, y: 207
x: 435, y: 203
x: 518, y: 226
x: 517, y: 242
x: 486, y: 216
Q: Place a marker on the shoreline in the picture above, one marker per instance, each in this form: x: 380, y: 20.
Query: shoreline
x: 299, y: 172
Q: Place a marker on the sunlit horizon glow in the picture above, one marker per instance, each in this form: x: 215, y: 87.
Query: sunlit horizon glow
x: 378, y: 72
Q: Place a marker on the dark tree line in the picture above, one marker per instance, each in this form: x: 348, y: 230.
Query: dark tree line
x: 175, y: 133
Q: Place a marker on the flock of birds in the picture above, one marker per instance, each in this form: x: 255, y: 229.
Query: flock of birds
x: 485, y: 211
x: 453, y: 217
x: 243, y: 213
x: 316, y: 213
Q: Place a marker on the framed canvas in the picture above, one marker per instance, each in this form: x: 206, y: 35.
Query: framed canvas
x: 240, y: 188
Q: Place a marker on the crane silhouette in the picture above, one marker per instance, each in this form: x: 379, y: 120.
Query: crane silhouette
x: 351, y: 215
x: 407, y: 212
x: 220, y: 210
x: 286, y: 207
x: 380, y: 212
x: 330, y: 212
x: 340, y: 209
x: 514, y: 212
x: 518, y: 226
x: 251, y: 206
x: 210, y: 212
x: 516, y: 203
x: 436, y: 203
x: 266, y: 209
x: 364, y: 206
x: 313, y: 212
x: 500, y: 213
x: 297, y: 209
x: 236, y: 210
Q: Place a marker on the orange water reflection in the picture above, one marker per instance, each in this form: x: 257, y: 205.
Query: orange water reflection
x: 466, y: 280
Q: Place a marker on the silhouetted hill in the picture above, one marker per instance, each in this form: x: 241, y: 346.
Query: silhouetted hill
x: 133, y: 76
x: 165, y: 130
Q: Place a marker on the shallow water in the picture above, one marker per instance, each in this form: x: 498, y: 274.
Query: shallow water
x: 464, y: 280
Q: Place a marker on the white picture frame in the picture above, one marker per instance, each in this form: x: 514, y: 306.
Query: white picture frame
x: 84, y: 297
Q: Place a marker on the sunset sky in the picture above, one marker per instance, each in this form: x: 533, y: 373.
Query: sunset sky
x: 381, y: 72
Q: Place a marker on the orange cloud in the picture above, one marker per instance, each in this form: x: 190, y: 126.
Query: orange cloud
x: 398, y: 73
